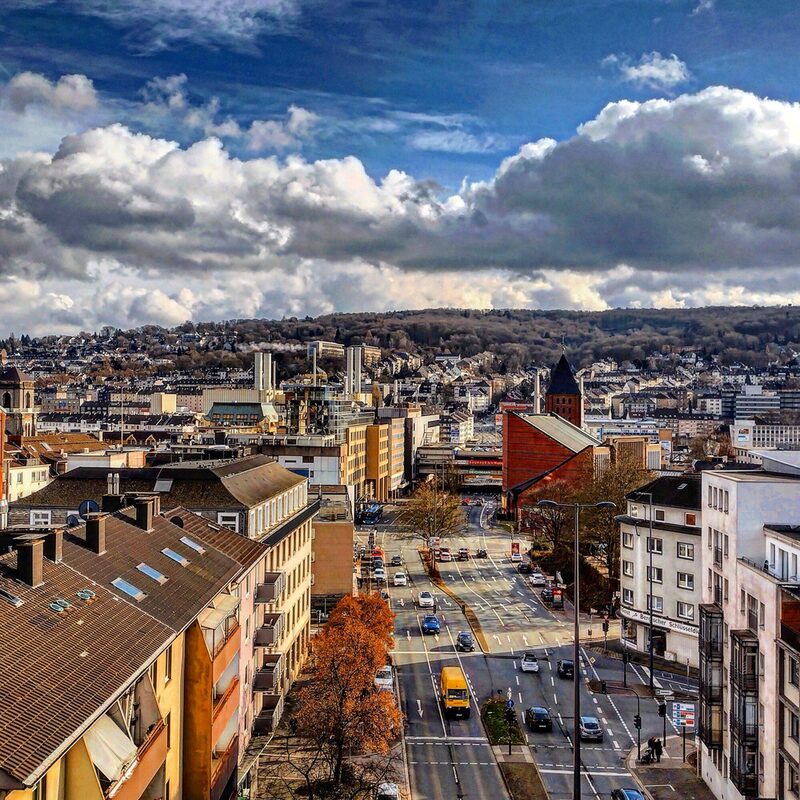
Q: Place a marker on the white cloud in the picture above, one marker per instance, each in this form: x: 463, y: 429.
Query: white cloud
x: 652, y: 70
x: 455, y: 141
x: 703, y: 7
x: 68, y: 93
x: 166, y: 94
x: 281, y: 135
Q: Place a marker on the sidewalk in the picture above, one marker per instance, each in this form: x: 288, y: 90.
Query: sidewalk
x: 671, y: 778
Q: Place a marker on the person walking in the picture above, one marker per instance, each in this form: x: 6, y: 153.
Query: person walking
x: 657, y: 747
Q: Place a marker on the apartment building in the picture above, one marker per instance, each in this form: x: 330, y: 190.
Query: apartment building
x: 748, y: 435
x: 747, y: 642
x: 355, y: 440
x: 662, y: 573
x: 316, y: 457
x: 378, y: 468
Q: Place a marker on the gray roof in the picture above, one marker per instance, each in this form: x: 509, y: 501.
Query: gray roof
x: 557, y: 428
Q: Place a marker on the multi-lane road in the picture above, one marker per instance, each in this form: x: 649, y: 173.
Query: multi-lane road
x: 453, y: 758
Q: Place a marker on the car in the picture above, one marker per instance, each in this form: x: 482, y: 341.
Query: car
x: 400, y: 579
x: 463, y: 553
x: 465, y: 501
x: 425, y: 600
x: 465, y: 641
x: 378, y: 564
x: 537, y: 718
x: 566, y: 668
x: 525, y: 568
x: 590, y: 729
x: 384, y: 680
x: 547, y: 595
x: 445, y: 555
x: 538, y: 578
x: 627, y: 794
x: 430, y: 624
x: 481, y: 554
x: 388, y: 791
x: 396, y: 561
x: 379, y: 575
x: 516, y: 557
x: 529, y: 663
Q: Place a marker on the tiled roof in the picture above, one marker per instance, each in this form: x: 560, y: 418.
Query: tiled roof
x: 14, y: 375
x: 58, y: 670
x: 562, y: 381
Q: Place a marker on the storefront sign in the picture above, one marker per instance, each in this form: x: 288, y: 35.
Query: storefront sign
x: 659, y: 622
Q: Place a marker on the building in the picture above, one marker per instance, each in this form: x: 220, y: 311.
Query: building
x: 748, y: 630
x: 754, y: 401
x: 640, y: 450
x: 378, y: 468
x: 316, y: 457
x: 458, y: 427
x: 332, y: 571
x: 17, y: 400
x: 563, y: 396
x: 662, y: 573
x: 748, y: 435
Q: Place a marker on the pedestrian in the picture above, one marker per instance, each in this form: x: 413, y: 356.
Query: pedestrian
x: 651, y: 742
x: 657, y: 749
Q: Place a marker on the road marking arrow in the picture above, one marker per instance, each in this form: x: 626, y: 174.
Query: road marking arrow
x: 419, y: 707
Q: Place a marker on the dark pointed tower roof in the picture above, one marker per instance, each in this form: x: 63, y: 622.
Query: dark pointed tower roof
x: 14, y: 375
x: 562, y: 381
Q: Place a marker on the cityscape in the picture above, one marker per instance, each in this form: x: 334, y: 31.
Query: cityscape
x: 399, y: 401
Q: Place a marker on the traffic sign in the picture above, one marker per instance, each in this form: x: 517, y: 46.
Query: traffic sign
x: 683, y: 715
x: 509, y: 703
x: 665, y: 694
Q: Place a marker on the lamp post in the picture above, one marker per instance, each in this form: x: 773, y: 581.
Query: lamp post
x: 576, y: 762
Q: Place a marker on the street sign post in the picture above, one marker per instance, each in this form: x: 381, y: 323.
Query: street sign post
x: 683, y: 716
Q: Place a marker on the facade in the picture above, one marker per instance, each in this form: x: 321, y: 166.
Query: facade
x: 748, y: 645
x: 332, y: 570
x: 355, y: 440
x: 316, y: 457
x: 25, y: 476
x: 748, y: 435
x: 379, y: 452
x: 18, y: 402
x: 663, y: 572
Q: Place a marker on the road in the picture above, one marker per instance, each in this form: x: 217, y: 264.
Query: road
x: 453, y: 759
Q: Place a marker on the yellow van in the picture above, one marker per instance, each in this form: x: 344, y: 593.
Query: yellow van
x: 455, y: 692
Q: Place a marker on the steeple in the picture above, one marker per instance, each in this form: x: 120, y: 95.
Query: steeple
x: 562, y: 381
x: 564, y: 396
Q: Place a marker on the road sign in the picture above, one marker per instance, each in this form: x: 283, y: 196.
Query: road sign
x: 592, y: 660
x: 509, y: 703
x: 683, y: 715
x: 665, y: 694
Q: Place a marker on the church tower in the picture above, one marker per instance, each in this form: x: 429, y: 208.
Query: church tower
x: 564, y: 396
x: 17, y: 401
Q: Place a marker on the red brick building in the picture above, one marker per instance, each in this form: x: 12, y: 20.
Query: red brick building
x: 564, y: 396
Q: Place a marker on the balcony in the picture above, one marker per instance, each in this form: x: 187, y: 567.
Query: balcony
x: 271, y: 631
x: 269, y: 675
x: 271, y: 589
x: 711, y: 632
x: 709, y: 727
x: 270, y: 715
x: 744, y: 662
x: 223, y: 766
x: 150, y: 757
x: 225, y: 706
x: 743, y: 774
x: 790, y: 636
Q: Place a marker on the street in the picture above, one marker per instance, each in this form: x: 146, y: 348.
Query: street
x: 453, y: 759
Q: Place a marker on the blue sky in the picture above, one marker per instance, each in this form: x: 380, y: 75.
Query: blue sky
x: 438, y: 93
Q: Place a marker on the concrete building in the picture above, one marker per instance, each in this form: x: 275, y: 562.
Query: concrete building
x: 458, y: 427
x: 316, y: 457
x: 378, y: 470
x: 754, y: 401
x: 355, y: 440
x: 748, y: 435
x: 673, y: 587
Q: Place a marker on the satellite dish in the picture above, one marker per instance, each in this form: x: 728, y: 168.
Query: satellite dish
x: 87, y: 507
x: 73, y: 520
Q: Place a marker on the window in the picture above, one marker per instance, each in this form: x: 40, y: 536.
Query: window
x: 151, y: 572
x: 794, y: 672
x: 627, y: 568
x: 634, y: 511
x: 685, y: 580
x: 686, y: 550
x: 725, y: 501
x: 655, y: 545
x: 627, y: 597
x: 709, y: 497
x: 229, y: 520
x: 627, y: 540
x: 685, y: 610
x: 793, y: 780
x: 175, y: 556
x: 690, y: 518
x: 762, y: 616
x: 129, y: 589
x: 660, y: 514
x: 655, y: 603
x: 40, y: 790
x: 189, y: 543
x: 168, y: 665
x: 655, y: 574
x: 725, y: 542
x: 168, y: 729
x: 40, y: 519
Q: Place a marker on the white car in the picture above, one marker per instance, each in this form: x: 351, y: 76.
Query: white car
x: 400, y: 579
x: 380, y: 575
x: 529, y: 663
x: 384, y: 680
x: 516, y: 557
x: 538, y: 579
x: 445, y: 555
x: 425, y: 600
x: 388, y: 791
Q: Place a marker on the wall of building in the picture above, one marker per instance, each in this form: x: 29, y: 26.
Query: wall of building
x: 332, y: 566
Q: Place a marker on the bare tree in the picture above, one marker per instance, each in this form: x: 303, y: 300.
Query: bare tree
x: 433, y: 511
x: 551, y: 527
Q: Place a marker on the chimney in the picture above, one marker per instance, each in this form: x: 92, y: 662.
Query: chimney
x: 29, y: 561
x: 116, y: 483
x: 537, y: 393
x: 110, y: 483
x: 96, y: 531
x: 113, y: 502
x: 53, y: 545
x: 145, y: 511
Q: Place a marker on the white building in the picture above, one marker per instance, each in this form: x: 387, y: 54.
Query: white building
x: 662, y: 573
x: 749, y: 713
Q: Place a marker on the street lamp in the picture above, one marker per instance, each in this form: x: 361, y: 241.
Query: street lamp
x: 576, y: 762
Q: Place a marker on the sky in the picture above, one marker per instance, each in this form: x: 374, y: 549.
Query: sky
x: 217, y: 159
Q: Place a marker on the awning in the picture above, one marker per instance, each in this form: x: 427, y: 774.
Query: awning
x: 110, y: 748
x: 226, y: 602
x: 212, y: 617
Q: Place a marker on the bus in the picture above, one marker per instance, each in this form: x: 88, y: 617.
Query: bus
x: 371, y: 514
x: 454, y: 692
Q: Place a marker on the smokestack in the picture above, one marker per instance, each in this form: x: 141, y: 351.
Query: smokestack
x: 537, y: 393
x: 96, y: 531
x: 273, y: 384
x: 29, y: 561
x: 314, y: 366
x: 116, y: 483
x: 580, y: 399
x: 54, y: 545
x: 145, y: 511
x: 357, y: 353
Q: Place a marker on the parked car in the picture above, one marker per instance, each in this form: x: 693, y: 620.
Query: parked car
x: 425, y: 600
x: 463, y: 553
x: 388, y: 791
x: 627, y: 794
x: 566, y: 668
x: 481, y: 554
x: 465, y: 641
x: 529, y: 663
x: 590, y: 729
x: 525, y: 568
x: 538, y: 718
x: 547, y: 595
x: 384, y: 680
x: 538, y: 578
x: 465, y: 501
x: 516, y: 557
x: 396, y: 561
x: 379, y: 575
x: 430, y: 624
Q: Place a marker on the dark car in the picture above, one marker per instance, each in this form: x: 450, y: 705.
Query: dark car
x: 377, y: 563
x: 626, y: 794
x: 431, y: 624
x: 538, y: 718
x: 525, y: 568
x: 547, y: 594
x: 396, y: 561
x: 566, y: 668
x: 481, y: 554
x: 465, y: 642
